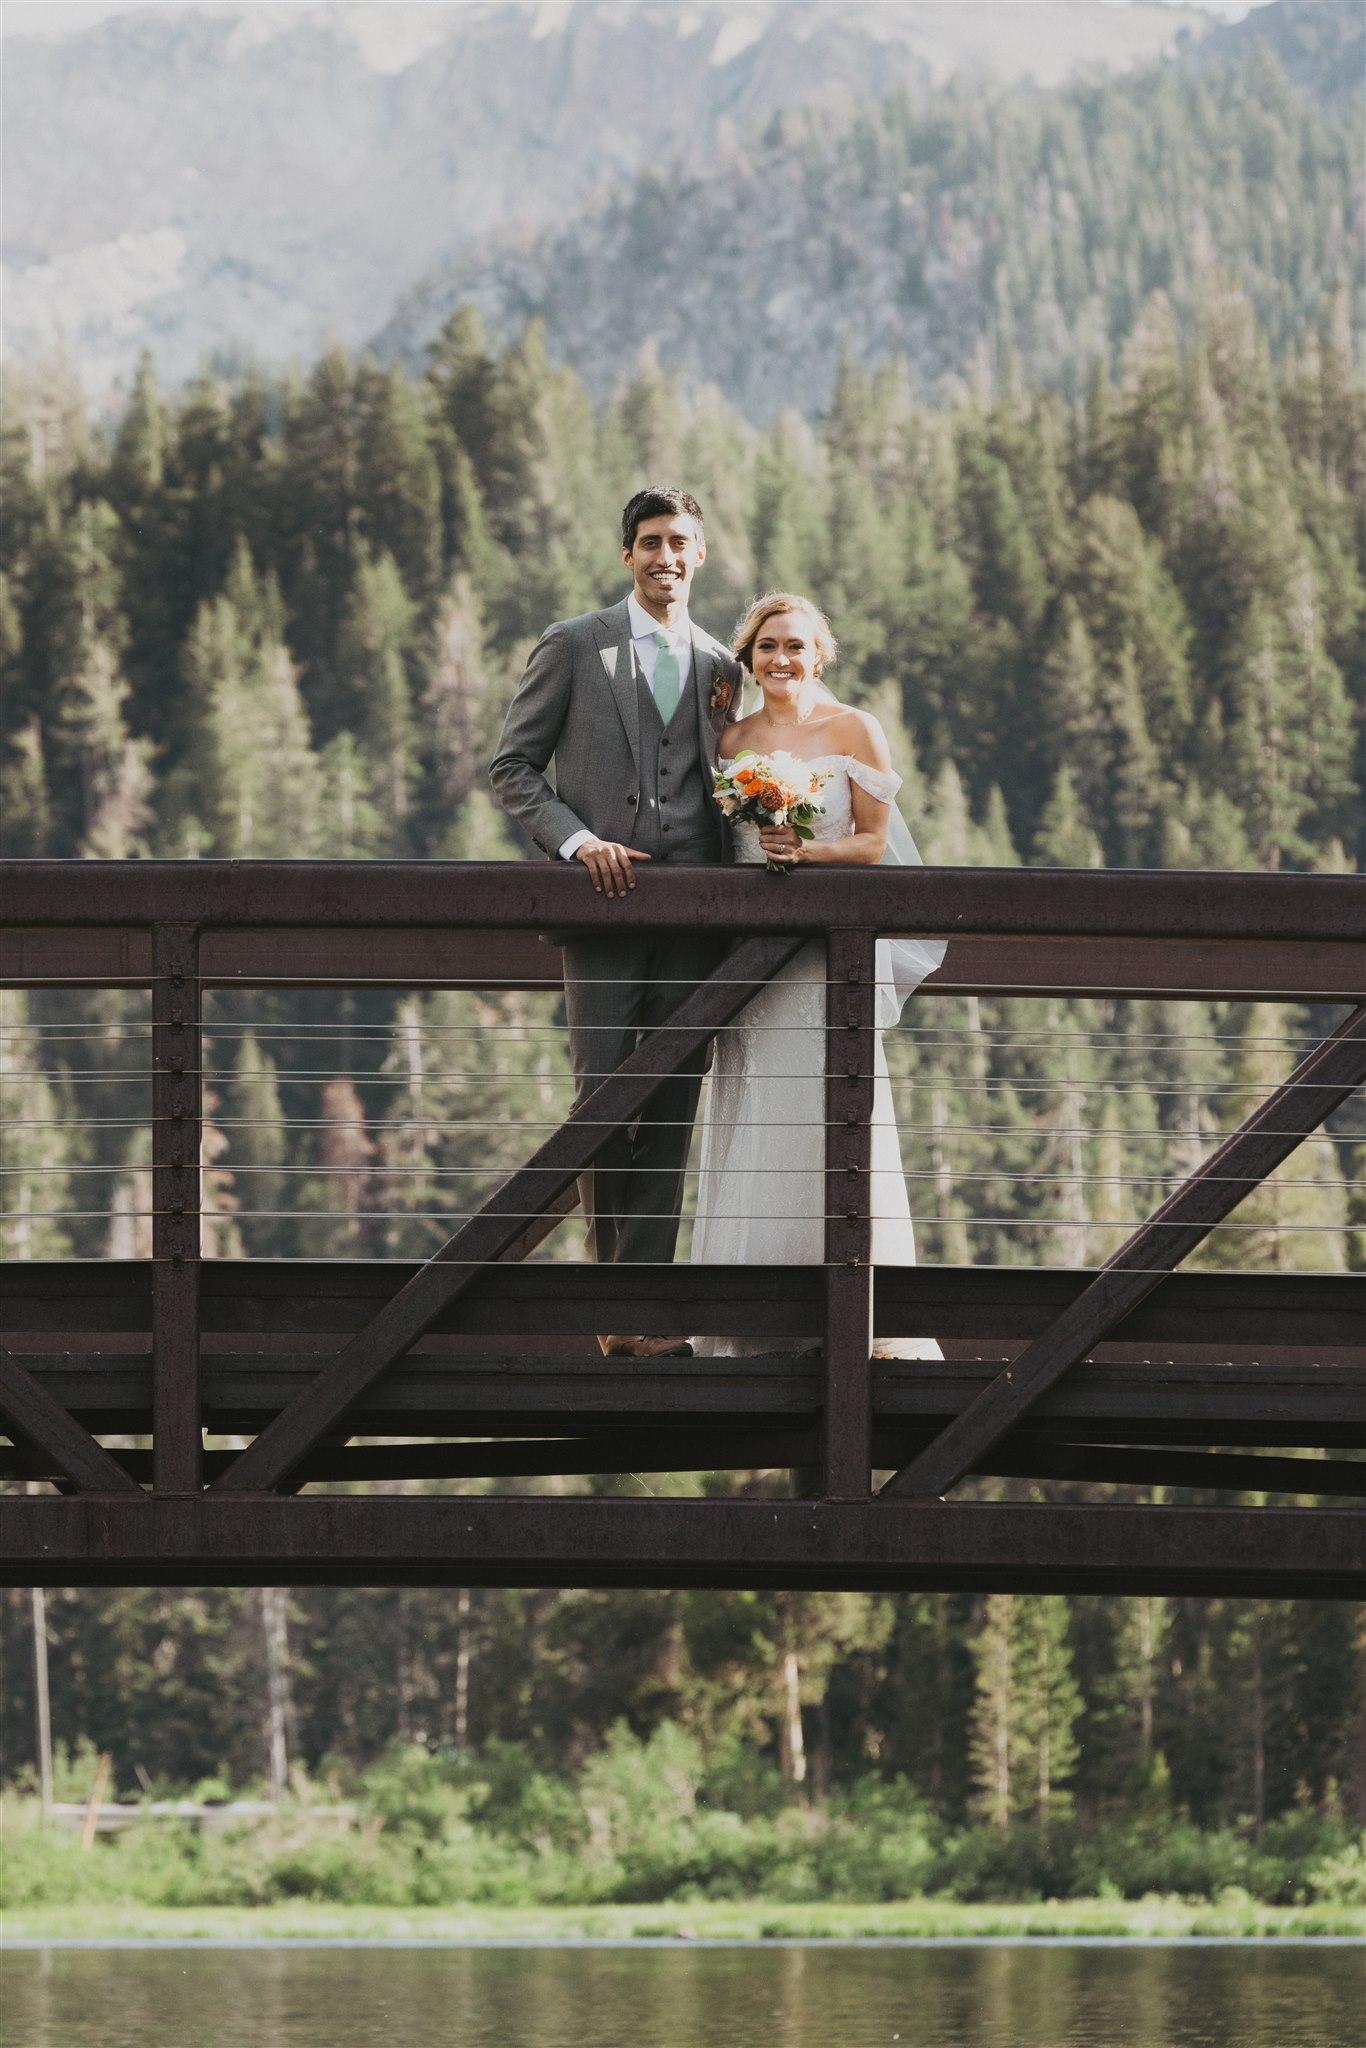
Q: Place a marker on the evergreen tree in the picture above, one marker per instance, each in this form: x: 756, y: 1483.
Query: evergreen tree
x: 11, y: 654
x: 257, y: 1149
x: 372, y: 655
x: 462, y: 383
x: 252, y: 777
x: 1132, y: 1687
x: 34, y: 1187
x: 1010, y: 576
x: 351, y: 825
x: 1200, y: 829
x: 1073, y: 712
x: 398, y: 480
x: 25, y: 805
x: 115, y: 769
x: 1136, y: 788
x: 860, y: 584
x: 650, y: 420
x: 1064, y: 839
x: 1289, y: 732
x: 103, y: 774
x: 1296, y: 1220
x: 993, y: 1762
x: 406, y: 1147
x: 333, y: 1203
x: 1049, y: 1704
x: 319, y: 504
x: 458, y: 711
x: 1025, y: 1708
x: 937, y: 646
x: 474, y: 551
x: 784, y: 525
x: 138, y: 463
x: 129, y: 1235
x: 1128, y: 600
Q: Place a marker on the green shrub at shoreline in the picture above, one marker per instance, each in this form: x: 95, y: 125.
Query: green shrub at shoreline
x: 642, y: 1826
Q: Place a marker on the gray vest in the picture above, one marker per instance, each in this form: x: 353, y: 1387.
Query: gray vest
x: 676, y: 819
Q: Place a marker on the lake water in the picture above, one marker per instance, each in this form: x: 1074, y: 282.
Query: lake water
x: 970, y: 1995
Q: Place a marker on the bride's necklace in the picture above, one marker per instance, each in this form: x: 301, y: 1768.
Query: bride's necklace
x: 792, y: 725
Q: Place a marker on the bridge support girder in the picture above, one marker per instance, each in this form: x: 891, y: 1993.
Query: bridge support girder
x: 864, y: 1545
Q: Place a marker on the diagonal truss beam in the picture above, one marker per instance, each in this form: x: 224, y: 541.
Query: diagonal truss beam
x: 317, y: 1412
x: 1296, y: 1108
x: 36, y: 1417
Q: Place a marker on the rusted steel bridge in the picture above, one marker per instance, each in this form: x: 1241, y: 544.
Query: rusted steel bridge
x: 1135, y: 1375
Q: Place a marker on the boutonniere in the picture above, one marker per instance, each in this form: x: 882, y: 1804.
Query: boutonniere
x: 721, y: 698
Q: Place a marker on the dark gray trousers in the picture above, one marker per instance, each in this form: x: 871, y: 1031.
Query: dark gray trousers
x: 616, y: 990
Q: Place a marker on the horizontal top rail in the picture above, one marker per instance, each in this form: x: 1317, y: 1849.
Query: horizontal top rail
x: 1031, y: 902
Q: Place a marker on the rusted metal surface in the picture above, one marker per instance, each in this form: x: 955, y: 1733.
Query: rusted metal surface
x: 1301, y: 1404
x: 1322, y: 1314
x: 340, y: 958
x: 850, y: 1037
x: 724, y: 1446
x: 176, y: 1136
x: 552, y: 896
x: 1263, y: 970
x: 227, y: 1539
x: 34, y: 1416
x: 103, y: 957
x: 1317, y: 1086
x: 1276, y: 970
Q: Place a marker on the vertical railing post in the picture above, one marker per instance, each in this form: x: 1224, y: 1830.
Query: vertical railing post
x: 850, y: 1040
x: 177, y: 1121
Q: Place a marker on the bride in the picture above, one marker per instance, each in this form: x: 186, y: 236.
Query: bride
x: 761, y: 1186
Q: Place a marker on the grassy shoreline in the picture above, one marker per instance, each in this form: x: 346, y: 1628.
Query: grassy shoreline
x: 704, y: 1920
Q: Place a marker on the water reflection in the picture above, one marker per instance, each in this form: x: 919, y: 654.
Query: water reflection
x: 1064, y: 1996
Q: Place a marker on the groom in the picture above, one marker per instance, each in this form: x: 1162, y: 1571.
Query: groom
x: 629, y: 703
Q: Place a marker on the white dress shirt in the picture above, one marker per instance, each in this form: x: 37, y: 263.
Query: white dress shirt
x: 645, y: 647
x: 644, y: 655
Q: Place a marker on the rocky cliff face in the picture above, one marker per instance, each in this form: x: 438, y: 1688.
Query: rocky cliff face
x: 249, y: 181
x: 972, y: 233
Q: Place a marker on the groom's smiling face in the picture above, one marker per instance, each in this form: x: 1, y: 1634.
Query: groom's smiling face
x: 663, y: 559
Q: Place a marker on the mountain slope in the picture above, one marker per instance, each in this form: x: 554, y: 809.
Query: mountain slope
x: 232, y: 179
x: 955, y: 229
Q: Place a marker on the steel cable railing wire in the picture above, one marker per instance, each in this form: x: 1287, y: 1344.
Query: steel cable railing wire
x: 922, y: 1036
x: 933, y: 1130
x: 461, y: 1216
x: 403, y: 1044
x: 428, y: 1172
x: 94, y: 1077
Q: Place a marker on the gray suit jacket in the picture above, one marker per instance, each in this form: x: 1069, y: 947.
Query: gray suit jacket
x: 577, y: 704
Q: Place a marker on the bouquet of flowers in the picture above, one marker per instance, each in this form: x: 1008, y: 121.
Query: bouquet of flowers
x: 751, y: 791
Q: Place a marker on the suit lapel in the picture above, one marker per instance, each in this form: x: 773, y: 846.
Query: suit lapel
x: 613, y: 630
x: 702, y: 682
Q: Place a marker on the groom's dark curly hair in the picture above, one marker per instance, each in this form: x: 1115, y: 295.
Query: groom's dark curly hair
x: 657, y: 501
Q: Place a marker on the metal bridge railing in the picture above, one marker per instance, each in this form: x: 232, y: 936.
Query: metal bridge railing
x: 1047, y: 1092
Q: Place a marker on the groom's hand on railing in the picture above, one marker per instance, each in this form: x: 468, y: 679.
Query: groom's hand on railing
x: 609, y: 863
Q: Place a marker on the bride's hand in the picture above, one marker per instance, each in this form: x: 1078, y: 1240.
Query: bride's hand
x: 780, y: 843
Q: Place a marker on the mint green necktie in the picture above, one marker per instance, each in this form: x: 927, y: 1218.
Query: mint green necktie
x: 668, y: 682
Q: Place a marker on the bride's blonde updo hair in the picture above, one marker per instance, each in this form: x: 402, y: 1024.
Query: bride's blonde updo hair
x: 768, y: 607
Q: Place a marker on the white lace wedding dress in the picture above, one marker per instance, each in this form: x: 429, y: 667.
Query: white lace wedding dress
x: 761, y: 1186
